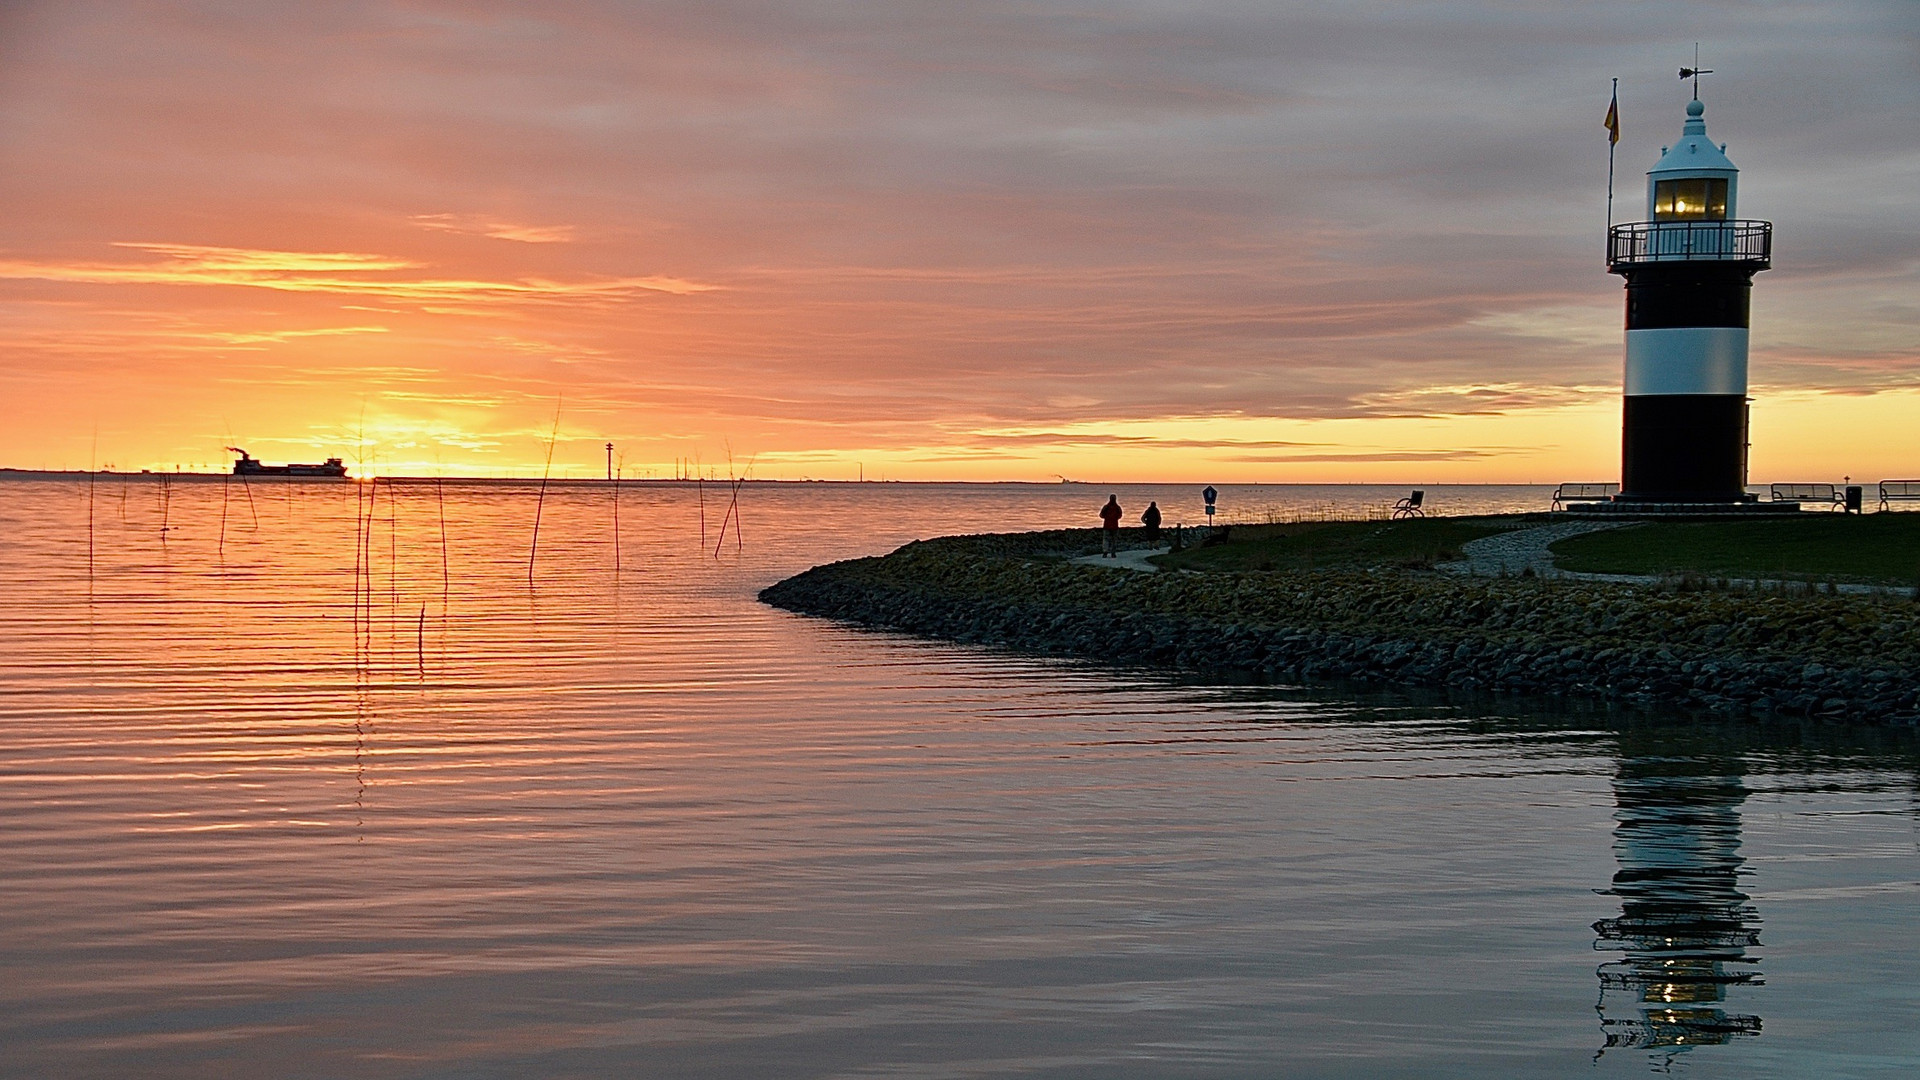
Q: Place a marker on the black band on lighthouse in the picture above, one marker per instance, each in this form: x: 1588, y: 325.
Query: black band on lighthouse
x: 1666, y: 295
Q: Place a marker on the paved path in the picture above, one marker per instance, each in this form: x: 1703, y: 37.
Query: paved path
x: 1520, y: 549
x: 1131, y: 559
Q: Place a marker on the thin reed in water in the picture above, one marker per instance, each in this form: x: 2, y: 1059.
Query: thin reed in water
x: 540, y: 502
x: 247, y: 486
x: 366, y: 545
x: 90, y: 479
x: 732, y: 516
x: 359, y: 553
x: 445, y: 578
x: 93, y: 456
x: 733, y: 508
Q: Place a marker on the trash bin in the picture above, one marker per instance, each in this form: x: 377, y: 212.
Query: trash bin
x: 1853, y: 498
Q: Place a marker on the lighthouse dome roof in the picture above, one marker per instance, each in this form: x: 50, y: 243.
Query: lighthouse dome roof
x: 1694, y: 154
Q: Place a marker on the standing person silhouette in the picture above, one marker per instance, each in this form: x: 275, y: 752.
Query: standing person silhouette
x: 1110, y: 526
x: 1150, y: 517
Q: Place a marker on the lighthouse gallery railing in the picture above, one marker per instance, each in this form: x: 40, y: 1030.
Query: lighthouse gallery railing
x: 1642, y: 242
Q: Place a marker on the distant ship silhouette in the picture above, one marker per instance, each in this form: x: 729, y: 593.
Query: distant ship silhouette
x: 248, y: 466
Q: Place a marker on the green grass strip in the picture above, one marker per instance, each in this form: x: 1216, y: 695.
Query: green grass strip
x: 1873, y: 549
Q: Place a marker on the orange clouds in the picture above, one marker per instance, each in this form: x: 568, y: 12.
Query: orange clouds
x: 499, y: 230
x: 326, y: 272
x: 1158, y: 239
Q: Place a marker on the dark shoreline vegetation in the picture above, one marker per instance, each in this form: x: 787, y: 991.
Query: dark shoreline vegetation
x: 1793, y: 651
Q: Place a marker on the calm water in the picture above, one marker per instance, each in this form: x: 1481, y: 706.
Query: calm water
x: 288, y: 798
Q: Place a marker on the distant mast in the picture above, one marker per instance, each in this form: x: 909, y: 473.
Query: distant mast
x: 1689, y: 276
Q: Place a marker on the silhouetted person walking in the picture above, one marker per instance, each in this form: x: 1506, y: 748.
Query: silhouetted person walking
x: 1150, y: 517
x: 1110, y: 526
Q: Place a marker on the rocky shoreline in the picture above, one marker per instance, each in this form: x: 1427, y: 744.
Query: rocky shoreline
x: 1726, y: 651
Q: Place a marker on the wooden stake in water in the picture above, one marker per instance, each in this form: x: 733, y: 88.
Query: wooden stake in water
x: 366, y: 543
x: 540, y: 503
x: 246, y: 486
x: 618, y: 472
x: 733, y: 510
x: 359, y: 552
x: 393, y: 555
x: 359, y: 501
x: 223, y: 517
x: 91, y: 455
x: 445, y: 578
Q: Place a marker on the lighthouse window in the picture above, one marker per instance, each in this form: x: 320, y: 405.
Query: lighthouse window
x: 1699, y: 198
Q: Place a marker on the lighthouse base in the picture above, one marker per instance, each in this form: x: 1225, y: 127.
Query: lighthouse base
x: 1615, y: 511
x: 1684, y: 448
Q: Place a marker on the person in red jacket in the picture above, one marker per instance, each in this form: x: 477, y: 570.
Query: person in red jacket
x: 1110, y: 526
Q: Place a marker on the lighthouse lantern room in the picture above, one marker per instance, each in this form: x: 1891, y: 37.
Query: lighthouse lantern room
x: 1689, y: 274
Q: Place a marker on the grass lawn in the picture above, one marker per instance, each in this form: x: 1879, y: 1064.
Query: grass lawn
x: 1330, y: 544
x: 1876, y: 549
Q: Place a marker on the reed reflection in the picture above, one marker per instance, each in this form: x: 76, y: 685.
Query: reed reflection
x: 1685, y: 925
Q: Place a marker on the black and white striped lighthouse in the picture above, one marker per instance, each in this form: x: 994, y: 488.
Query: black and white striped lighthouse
x: 1689, y: 271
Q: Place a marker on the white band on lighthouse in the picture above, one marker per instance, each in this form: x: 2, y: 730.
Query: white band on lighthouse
x: 1687, y: 360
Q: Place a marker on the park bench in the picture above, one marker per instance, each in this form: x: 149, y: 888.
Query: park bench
x: 1578, y: 492
x: 1899, y: 491
x: 1809, y: 493
x: 1409, y: 507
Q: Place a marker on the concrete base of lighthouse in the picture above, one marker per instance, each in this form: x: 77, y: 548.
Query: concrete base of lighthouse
x: 1695, y: 511
x: 1689, y: 448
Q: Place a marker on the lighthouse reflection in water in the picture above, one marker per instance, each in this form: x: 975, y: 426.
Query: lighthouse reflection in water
x: 1685, y: 927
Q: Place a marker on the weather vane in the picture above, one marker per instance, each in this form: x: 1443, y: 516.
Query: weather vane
x: 1695, y: 71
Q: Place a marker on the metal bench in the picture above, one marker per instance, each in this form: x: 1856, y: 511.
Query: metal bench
x: 1409, y: 507
x: 1899, y: 491
x: 1809, y: 493
x: 1573, y: 493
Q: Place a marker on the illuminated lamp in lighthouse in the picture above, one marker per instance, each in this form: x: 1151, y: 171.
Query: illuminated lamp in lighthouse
x: 1689, y: 276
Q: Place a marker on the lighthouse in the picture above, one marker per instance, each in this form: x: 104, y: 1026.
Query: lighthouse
x: 1689, y: 275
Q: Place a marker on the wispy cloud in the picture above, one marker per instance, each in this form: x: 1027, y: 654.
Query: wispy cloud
x: 1371, y: 457
x: 1095, y: 439
x: 347, y: 273
x: 498, y: 230
x: 269, y: 337
x: 1474, y: 399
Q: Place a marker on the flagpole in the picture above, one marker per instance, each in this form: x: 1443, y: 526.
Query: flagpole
x: 1613, y: 137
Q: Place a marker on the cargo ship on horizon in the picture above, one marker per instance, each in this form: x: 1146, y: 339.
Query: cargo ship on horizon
x: 247, y: 465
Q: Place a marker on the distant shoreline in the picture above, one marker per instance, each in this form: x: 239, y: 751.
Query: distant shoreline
x: 7, y: 473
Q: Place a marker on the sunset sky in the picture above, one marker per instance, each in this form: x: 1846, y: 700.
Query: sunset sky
x: 1117, y: 240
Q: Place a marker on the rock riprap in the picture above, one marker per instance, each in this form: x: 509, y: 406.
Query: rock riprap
x: 1728, y: 651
